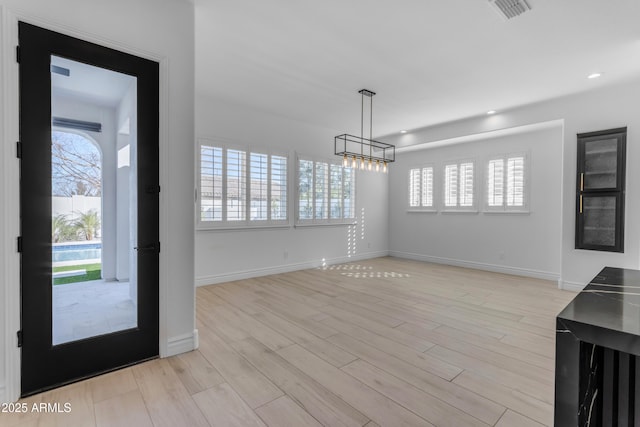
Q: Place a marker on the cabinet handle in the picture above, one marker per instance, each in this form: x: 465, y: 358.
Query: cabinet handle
x: 581, y: 203
x: 582, y: 181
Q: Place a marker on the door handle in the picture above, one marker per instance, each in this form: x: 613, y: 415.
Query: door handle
x: 581, y: 203
x: 150, y: 248
x: 582, y: 181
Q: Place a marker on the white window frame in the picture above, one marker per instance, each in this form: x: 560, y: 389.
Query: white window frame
x: 473, y: 208
x: 504, y: 208
x: 328, y: 220
x: 247, y: 222
x: 420, y: 207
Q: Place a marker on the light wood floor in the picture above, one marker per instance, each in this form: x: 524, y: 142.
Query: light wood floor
x: 384, y: 342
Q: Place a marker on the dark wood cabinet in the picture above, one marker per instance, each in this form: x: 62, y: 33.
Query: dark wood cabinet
x: 600, y: 190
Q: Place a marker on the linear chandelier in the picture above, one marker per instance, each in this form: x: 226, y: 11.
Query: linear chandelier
x: 364, y: 152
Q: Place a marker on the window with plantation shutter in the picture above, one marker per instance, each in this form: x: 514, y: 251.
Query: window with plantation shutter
x: 259, y: 178
x: 326, y: 193
x: 278, y: 196
x: 451, y: 185
x: 348, y: 193
x: 236, y: 185
x: 506, y: 183
x: 466, y: 185
x: 414, y: 188
x: 335, y: 197
x: 241, y: 188
x: 495, y: 182
x: 421, y: 188
x: 321, y: 187
x: 459, y: 186
x: 426, y: 200
x: 305, y: 189
x: 211, y: 183
x: 515, y: 181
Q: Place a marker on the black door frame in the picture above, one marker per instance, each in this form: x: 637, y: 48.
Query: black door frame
x: 44, y: 366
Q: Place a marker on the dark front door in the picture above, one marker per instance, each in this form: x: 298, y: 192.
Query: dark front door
x: 89, y: 208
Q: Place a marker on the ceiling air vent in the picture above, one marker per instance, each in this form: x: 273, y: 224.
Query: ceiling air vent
x: 510, y: 8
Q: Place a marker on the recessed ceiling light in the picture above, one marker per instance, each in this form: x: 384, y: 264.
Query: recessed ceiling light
x: 594, y: 75
x: 490, y: 112
x: 403, y: 131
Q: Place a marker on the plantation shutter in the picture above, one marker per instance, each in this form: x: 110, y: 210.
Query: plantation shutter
x: 495, y: 182
x: 515, y: 181
x: 258, y: 179
x: 305, y: 189
x: 236, y: 185
x: 321, y: 186
x: 414, y: 188
x: 278, y: 188
x: 335, y: 192
x: 451, y: 185
x: 348, y: 193
x: 466, y: 184
x: 427, y: 187
x: 210, y: 183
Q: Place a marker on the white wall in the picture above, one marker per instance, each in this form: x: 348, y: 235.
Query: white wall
x: 526, y: 244
x: 71, y: 206
x: 126, y: 121
x: 231, y: 255
x: 162, y: 30
x: 604, y: 108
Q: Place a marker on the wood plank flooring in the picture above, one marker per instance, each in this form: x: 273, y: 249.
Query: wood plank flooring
x: 383, y: 342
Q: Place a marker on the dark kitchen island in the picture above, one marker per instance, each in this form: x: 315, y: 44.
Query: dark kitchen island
x: 597, y: 349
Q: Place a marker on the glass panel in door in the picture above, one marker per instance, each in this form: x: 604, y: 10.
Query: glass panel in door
x: 599, y: 223
x: 94, y: 209
x: 600, y: 164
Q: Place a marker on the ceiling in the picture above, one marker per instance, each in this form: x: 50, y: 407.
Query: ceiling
x: 429, y: 62
x: 90, y: 83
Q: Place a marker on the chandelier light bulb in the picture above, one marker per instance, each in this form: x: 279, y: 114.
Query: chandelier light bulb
x: 377, y: 165
x: 361, y: 163
x: 353, y: 162
x: 370, y: 165
x: 345, y: 161
x: 384, y: 168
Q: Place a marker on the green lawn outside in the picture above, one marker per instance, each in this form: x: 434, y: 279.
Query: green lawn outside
x: 94, y: 272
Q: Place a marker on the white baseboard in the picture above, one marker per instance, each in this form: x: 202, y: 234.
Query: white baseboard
x: 285, y: 268
x: 182, y: 344
x: 571, y: 286
x: 517, y: 271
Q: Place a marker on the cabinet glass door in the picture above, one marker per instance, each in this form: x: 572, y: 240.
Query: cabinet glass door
x: 600, y: 164
x: 599, y: 220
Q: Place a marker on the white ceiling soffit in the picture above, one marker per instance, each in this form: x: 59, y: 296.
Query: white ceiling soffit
x: 429, y: 62
x: 482, y: 136
x: 510, y: 8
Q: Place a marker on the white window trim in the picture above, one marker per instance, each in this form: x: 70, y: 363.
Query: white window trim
x: 317, y: 221
x: 504, y: 209
x: 459, y: 209
x: 426, y: 209
x: 247, y: 223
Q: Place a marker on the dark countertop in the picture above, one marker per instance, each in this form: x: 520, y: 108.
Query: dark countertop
x: 607, y: 311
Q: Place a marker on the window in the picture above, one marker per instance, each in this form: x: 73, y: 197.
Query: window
x: 241, y: 187
x: 326, y: 193
x: 506, y: 183
x: 421, y: 188
x: 459, y: 186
